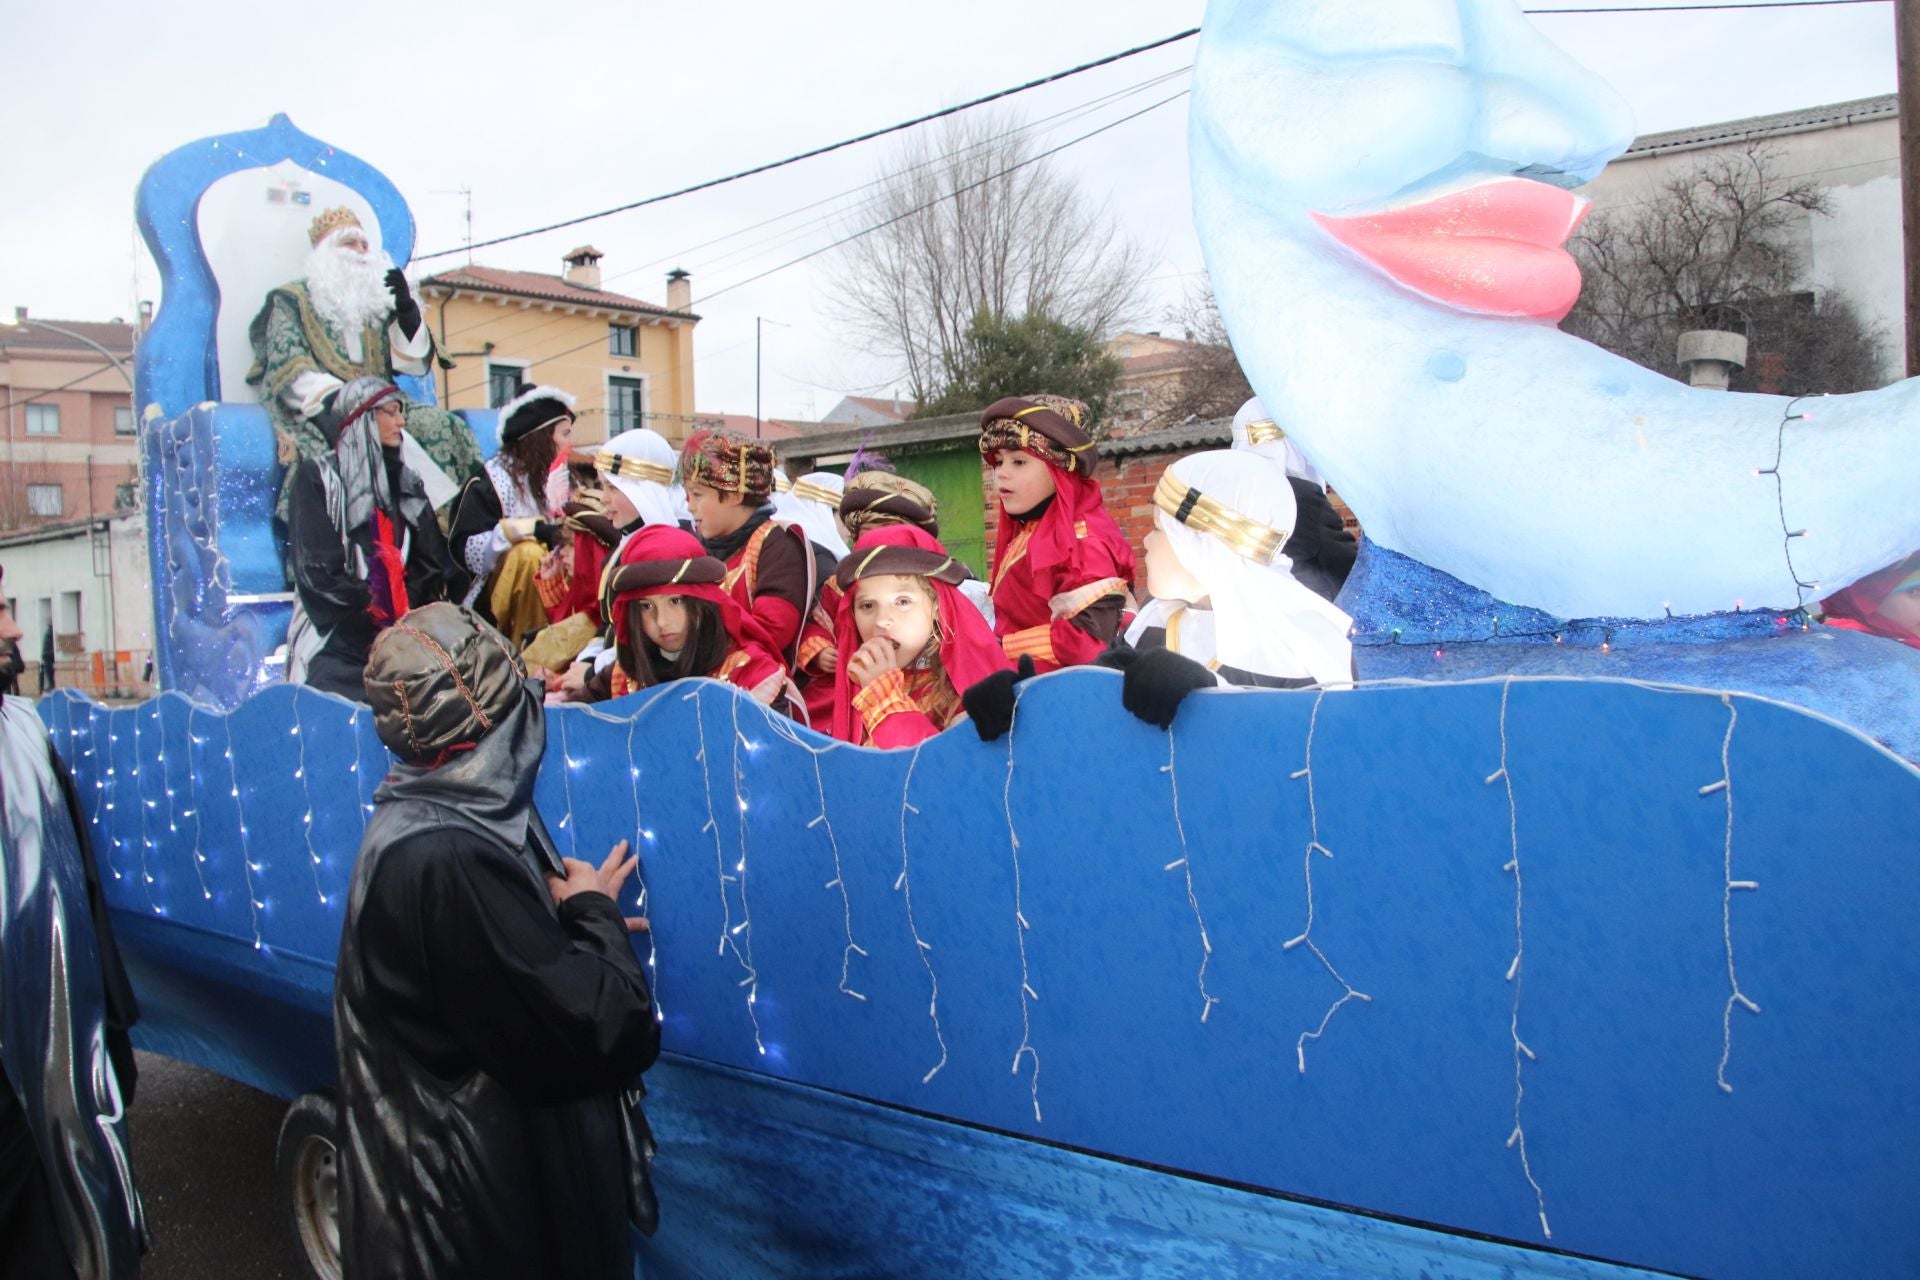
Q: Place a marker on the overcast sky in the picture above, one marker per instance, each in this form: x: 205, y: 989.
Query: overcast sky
x: 558, y: 108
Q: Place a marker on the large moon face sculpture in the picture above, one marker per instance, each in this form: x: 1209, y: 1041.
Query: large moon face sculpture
x: 1382, y: 191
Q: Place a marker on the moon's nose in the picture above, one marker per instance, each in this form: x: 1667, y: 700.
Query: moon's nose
x: 1541, y: 112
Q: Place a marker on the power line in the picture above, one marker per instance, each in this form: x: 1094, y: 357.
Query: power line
x: 864, y: 231
x: 1043, y: 125
x: 878, y: 226
x: 832, y: 146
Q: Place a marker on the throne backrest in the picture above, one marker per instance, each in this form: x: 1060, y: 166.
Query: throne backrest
x: 226, y: 219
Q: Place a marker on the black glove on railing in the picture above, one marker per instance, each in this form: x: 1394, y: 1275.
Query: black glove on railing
x: 989, y: 702
x: 406, y: 312
x: 1157, y: 681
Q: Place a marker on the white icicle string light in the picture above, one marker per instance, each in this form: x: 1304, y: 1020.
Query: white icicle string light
x: 641, y: 834
x: 141, y: 805
x: 567, y: 766
x: 102, y: 769
x: 199, y: 799
x: 1306, y: 935
x: 780, y: 727
x: 839, y: 881
x: 1521, y: 1053
x: 1184, y: 864
x: 254, y: 904
x: 1734, y: 994
x: 729, y: 931
x: 741, y: 802
x: 1020, y: 925
x: 903, y: 884
x: 306, y: 797
x: 359, y: 774
x: 174, y: 813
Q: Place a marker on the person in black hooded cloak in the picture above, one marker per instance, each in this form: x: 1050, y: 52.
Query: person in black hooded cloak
x: 490, y: 1016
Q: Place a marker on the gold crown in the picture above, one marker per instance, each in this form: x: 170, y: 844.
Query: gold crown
x: 1244, y: 536
x: 330, y: 221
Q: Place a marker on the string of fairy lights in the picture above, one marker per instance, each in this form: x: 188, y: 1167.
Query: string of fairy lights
x: 157, y: 840
x: 1305, y: 936
x: 1020, y: 926
x: 1522, y: 1054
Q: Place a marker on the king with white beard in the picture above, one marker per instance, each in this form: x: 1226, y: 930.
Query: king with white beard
x: 351, y: 316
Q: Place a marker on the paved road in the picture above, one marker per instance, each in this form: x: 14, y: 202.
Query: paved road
x: 203, y: 1155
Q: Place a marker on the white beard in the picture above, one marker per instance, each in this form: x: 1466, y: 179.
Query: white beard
x: 349, y: 290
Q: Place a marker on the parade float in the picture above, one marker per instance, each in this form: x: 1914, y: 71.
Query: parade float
x: 1575, y: 941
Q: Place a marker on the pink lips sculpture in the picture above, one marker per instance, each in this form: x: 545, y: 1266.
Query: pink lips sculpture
x: 1494, y: 248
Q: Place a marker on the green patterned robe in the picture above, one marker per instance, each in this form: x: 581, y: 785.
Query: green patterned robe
x: 290, y: 338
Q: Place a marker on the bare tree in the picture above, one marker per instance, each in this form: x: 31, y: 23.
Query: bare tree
x: 1718, y: 247
x: 1212, y: 385
x: 974, y: 225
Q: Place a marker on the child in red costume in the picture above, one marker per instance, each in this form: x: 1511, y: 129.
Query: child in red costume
x: 912, y: 642
x: 770, y: 571
x: 673, y: 620
x: 1062, y: 570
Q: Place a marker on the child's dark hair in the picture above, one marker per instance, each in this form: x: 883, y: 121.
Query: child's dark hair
x: 706, y: 646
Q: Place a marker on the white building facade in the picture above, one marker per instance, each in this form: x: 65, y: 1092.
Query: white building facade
x: 1852, y: 150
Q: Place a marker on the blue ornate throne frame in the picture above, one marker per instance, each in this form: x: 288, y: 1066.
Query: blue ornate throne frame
x: 221, y: 603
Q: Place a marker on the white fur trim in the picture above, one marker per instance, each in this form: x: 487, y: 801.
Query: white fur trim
x: 528, y: 396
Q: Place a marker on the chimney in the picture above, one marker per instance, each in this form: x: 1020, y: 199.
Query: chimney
x: 19, y: 315
x: 583, y: 267
x: 1711, y: 357
x: 679, y: 289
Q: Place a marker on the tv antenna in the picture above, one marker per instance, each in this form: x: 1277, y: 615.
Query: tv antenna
x: 465, y: 193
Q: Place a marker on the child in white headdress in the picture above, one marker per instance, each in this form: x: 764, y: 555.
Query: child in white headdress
x: 1321, y: 549
x: 814, y: 502
x: 1225, y: 600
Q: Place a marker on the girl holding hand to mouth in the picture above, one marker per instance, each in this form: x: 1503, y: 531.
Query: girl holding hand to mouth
x: 1062, y: 569
x: 912, y: 641
x: 672, y: 619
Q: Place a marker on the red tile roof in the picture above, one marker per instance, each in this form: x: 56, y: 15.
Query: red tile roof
x: 536, y: 284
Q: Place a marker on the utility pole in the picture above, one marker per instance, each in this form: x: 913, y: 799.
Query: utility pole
x: 756, y: 377
x: 1906, y: 21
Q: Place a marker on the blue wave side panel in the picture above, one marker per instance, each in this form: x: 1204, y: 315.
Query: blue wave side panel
x: 1032, y: 940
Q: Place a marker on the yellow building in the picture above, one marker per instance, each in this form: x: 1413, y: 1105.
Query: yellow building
x: 629, y: 362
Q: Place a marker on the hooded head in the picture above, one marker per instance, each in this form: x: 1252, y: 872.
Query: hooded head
x: 814, y: 500
x: 639, y: 466
x: 439, y: 681
x: 1222, y: 521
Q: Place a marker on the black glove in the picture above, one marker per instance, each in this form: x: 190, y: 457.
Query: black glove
x: 1157, y: 682
x: 406, y: 312
x: 989, y: 702
x: 547, y: 533
x: 327, y: 416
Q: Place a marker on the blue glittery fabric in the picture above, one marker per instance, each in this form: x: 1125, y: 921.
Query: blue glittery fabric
x: 1412, y: 621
